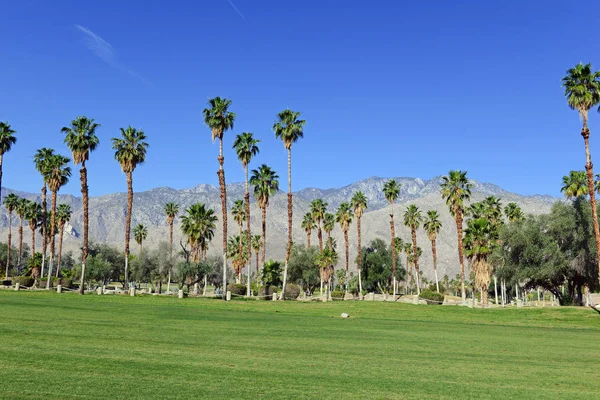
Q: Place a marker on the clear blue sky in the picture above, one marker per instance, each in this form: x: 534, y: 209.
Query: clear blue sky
x: 388, y: 88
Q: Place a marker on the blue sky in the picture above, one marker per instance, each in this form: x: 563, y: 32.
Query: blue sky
x: 388, y: 88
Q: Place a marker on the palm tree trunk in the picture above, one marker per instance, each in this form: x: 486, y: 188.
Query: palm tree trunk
x: 20, y: 240
x: 257, y: 277
x: 589, y: 169
x: 308, y: 233
x: 52, y: 239
x: 407, y: 271
x: 347, y: 256
x: 414, y: 240
x: 393, y: 231
x: 496, y: 289
x: 434, y: 253
x: 358, y: 259
x: 44, y: 226
x: 248, y: 234
x: 319, y: 235
x: 129, y: 178
x: 221, y: 174
x: 290, y: 214
x: 170, y: 256
x: 84, y: 195
x: 264, y: 234
x: 60, y: 242
x: 32, y: 240
x: 9, y: 239
x: 1, y: 178
x: 240, y: 252
x: 459, y: 231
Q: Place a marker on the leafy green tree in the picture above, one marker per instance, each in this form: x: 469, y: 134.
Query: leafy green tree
x: 344, y: 218
x: 130, y: 151
x: 582, y: 90
x: 413, y: 220
x: 81, y: 139
x: 219, y: 119
x: 246, y: 147
x: 318, y: 208
x: 266, y: 184
x: 456, y: 190
x: 391, y: 190
x: 432, y: 225
x: 302, y: 268
x: 7, y: 140
x: 359, y: 205
x: 377, y: 267
x: 289, y: 129
x: 10, y: 202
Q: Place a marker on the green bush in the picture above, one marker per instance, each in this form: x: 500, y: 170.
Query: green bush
x: 237, y: 289
x: 292, y: 291
x: 268, y: 291
x: 23, y: 280
x: 433, y: 297
x: 337, y: 295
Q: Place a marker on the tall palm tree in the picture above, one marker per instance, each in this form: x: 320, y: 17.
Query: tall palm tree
x: 408, y: 251
x: 10, y: 202
x: 33, y: 215
x: 359, y: 205
x: 171, y: 210
x: 325, y: 260
x: 513, y: 213
x: 574, y: 185
x: 328, y: 225
x: 456, y: 190
x: 239, y: 216
x: 198, y: 224
x: 219, y: 119
x: 246, y: 147
x: 266, y: 183
x: 7, y: 140
x: 308, y: 224
x: 130, y: 151
x: 140, y: 233
x: 582, y: 90
x: 21, y: 209
x: 256, y: 245
x: 343, y: 217
x: 238, y: 258
x: 289, y: 129
x: 57, y: 174
x: 413, y: 220
x: 493, y: 210
x: 81, y: 139
x: 63, y: 215
x: 432, y: 226
x: 391, y: 190
x: 480, y: 239
x: 40, y: 160
x: 318, y: 208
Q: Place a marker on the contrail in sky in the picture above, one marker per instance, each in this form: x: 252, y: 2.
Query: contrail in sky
x: 236, y: 10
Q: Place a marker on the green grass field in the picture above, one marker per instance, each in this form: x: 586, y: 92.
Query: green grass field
x: 116, y: 347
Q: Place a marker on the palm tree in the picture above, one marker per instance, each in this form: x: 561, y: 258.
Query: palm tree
x: 344, y: 218
x: 10, y: 202
x: 219, y: 119
x: 140, y: 233
x: 574, y: 185
x: 325, y: 260
x: 318, y: 208
x: 413, y: 220
x: 289, y: 129
x: 171, y: 210
x: 308, y: 224
x: 7, y: 140
x: 328, y: 225
x: 63, y: 215
x: 359, y: 205
x: 432, y: 226
x: 513, y: 213
x: 33, y: 215
x: 21, y: 209
x: 493, y: 210
x: 40, y: 160
x: 246, y: 147
x: 408, y: 251
x: 456, y: 190
x: 239, y: 216
x: 256, y: 245
x: 266, y: 184
x: 57, y: 175
x: 582, y: 90
x: 391, y: 190
x: 480, y: 238
x: 81, y: 139
x: 238, y: 258
x: 130, y: 151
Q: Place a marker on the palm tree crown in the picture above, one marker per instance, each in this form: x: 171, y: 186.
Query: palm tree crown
x: 81, y: 138
x: 140, y: 232
x: 198, y: 224
x: 391, y: 190
x: 239, y: 212
x: 456, y: 189
x: 56, y: 172
x: 432, y: 224
x: 11, y: 202
x: 513, y: 213
x: 63, y: 214
x: 288, y: 127
x: 343, y: 216
x: 245, y: 147
x: 7, y: 138
x: 413, y: 217
x: 130, y: 148
x: 218, y: 117
x: 575, y: 184
x: 359, y: 203
x: 582, y: 89
x: 171, y: 211
x: 266, y: 184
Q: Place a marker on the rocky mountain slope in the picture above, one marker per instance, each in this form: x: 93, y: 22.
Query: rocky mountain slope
x: 107, y: 215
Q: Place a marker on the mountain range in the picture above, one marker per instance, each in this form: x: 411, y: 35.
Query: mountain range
x: 107, y: 215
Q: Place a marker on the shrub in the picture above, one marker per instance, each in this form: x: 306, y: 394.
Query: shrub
x: 292, y: 291
x: 337, y: 295
x: 66, y: 282
x: 23, y: 280
x: 432, y: 297
x: 237, y: 289
x: 268, y: 291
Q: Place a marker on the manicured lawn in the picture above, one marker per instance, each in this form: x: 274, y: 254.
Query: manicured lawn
x: 116, y: 347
